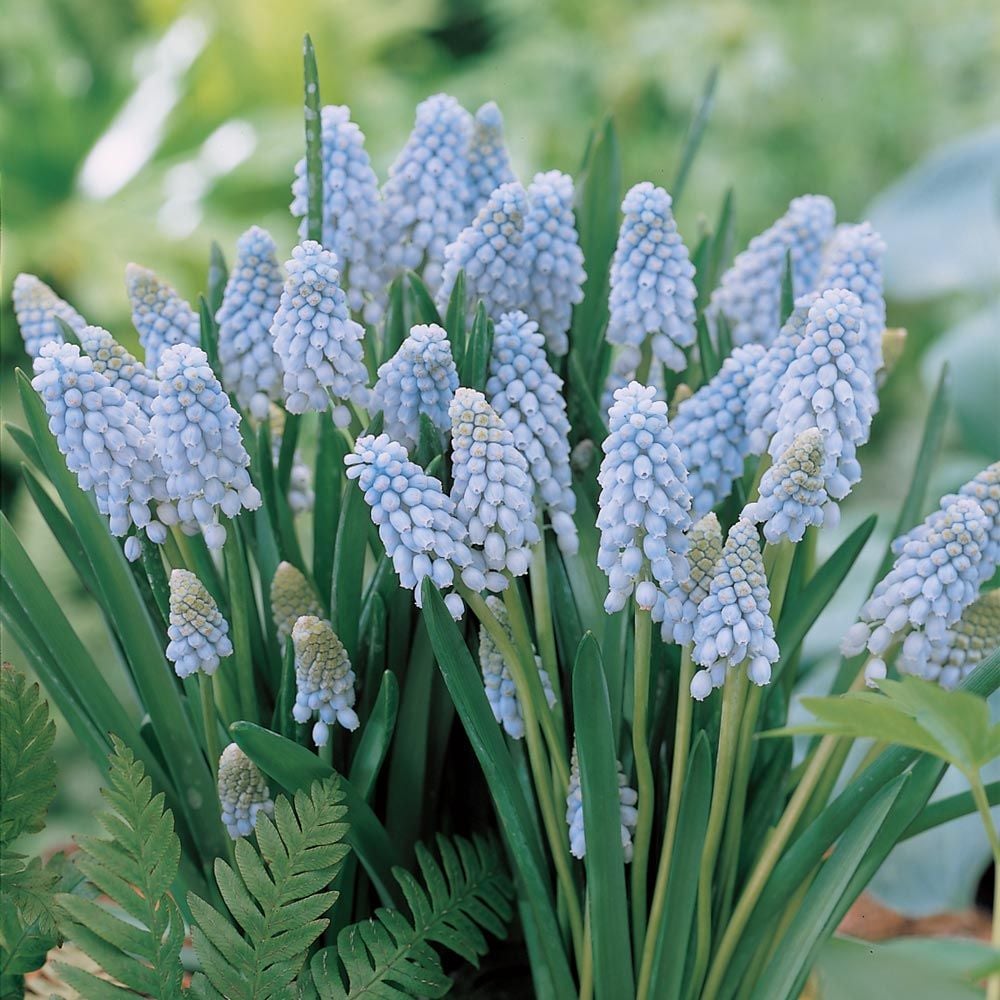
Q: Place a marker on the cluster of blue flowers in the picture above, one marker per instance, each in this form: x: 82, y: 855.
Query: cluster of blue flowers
x: 243, y: 792
x: 199, y: 635
x: 125, y: 372
x: 161, y: 317
x: 627, y: 801
x: 488, y: 159
x: 38, y: 310
x: 324, y: 680
x: 970, y: 640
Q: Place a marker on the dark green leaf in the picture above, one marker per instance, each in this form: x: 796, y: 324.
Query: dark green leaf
x: 424, y: 310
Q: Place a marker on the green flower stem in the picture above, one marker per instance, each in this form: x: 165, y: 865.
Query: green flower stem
x: 587, y: 959
x: 682, y: 744
x: 209, y: 720
x: 240, y: 603
x: 645, y: 361
x: 644, y: 777
x: 983, y: 805
x: 541, y: 606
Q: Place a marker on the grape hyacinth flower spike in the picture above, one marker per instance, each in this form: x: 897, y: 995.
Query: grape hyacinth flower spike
x: 985, y: 490
x: 970, y: 640
x: 644, y: 502
x: 528, y: 396
x: 627, y: 800
x: 317, y: 342
x: 733, y: 625
x: 488, y: 159
x: 250, y: 367
x: 38, y: 309
x: 420, y: 378
x: 122, y: 369
x: 324, y: 680
x: 199, y: 635
x: 243, y: 792
x: 161, y: 317
x: 491, y: 487
x: 652, y: 280
x: 197, y: 437
x: 292, y: 597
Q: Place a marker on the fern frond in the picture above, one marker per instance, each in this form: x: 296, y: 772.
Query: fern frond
x: 275, y: 895
x: 389, y: 956
x: 135, y: 867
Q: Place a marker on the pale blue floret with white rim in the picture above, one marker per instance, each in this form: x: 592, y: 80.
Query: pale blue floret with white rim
x: 628, y: 814
x: 652, y: 280
x: 644, y: 501
x: 120, y: 367
x: 527, y: 395
x: 425, y: 200
x: 553, y: 258
x: 324, y: 679
x: 984, y: 488
x: 488, y: 158
x: 352, y: 210
x: 415, y: 519
x: 243, y: 792
x: 38, y: 309
x: 733, y: 626
x: 420, y: 378
x: 318, y: 344
x: 492, y: 488
x: 749, y: 293
x: 710, y: 428
x: 199, y: 635
x: 197, y: 436
x: 251, y: 369
x: 160, y: 316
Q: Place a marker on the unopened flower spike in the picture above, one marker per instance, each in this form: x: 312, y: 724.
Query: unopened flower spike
x: 969, y: 641
x: 627, y: 799
x: 415, y: 519
x: 161, y: 317
x: 490, y: 251
x: 352, y: 210
x: 677, y: 607
x: 829, y: 385
x: 324, y: 680
x: 197, y: 437
x: 107, y: 443
x: 499, y: 685
x: 711, y: 431
x: 652, y: 279
x: 749, y: 293
x: 37, y: 309
x: 121, y: 368
x: 243, y: 792
x: 644, y: 501
x: 491, y: 487
x: 425, y: 200
x: 733, y: 625
x: 292, y: 597
x: 301, y: 495
x: 317, y: 342
x: 527, y: 395
x: 250, y: 367
x: 488, y: 159
x: 199, y: 635
x: 934, y: 579
x: 419, y: 378
x: 553, y: 258
x: 792, y: 494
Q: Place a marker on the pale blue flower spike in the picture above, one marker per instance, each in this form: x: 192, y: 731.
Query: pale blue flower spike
x: 243, y: 792
x: 792, y: 495
x: 324, y: 679
x: 830, y: 385
x: 985, y: 490
x: 197, y: 437
x: 121, y: 368
x: 488, y: 159
x: 528, y: 396
x: 37, y: 308
x: 749, y: 293
x: 652, y: 280
x: 497, y: 681
x: 160, y: 316
x: 733, y: 624
x: 251, y: 369
x: 199, y: 635
x: 419, y: 378
x: 710, y: 429
x: 492, y: 488
x: 490, y: 252
x: 627, y: 800
x: 553, y: 258
x: 318, y: 344
x: 107, y: 442
x: 352, y: 211
x: 425, y: 200
x: 415, y: 519
x: 935, y: 577
x: 966, y: 644
x: 644, y: 501
x: 677, y: 605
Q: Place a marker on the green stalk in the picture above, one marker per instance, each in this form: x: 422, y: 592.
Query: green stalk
x: 209, y: 719
x: 645, y: 361
x: 587, y: 958
x: 983, y: 805
x: 541, y: 606
x: 644, y: 777
x: 240, y: 598
x: 682, y: 744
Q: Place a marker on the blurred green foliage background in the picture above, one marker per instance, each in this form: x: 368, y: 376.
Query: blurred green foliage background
x: 144, y: 129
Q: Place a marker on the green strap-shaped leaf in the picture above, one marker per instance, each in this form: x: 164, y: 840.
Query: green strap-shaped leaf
x: 423, y: 309
x: 376, y: 736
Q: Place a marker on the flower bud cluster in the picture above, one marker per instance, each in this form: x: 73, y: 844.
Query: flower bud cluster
x: 125, y: 372
x: 292, y: 597
x: 199, y: 635
x: 627, y: 800
x: 324, y: 680
x: 969, y: 641
x: 243, y: 792
x: 161, y: 317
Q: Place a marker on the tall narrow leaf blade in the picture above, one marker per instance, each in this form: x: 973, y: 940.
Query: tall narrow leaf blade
x: 424, y: 310
x: 376, y: 736
x: 692, y: 140
x: 314, y: 143
x: 454, y: 320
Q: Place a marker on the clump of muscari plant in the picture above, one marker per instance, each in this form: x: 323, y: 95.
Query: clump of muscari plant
x: 427, y: 535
